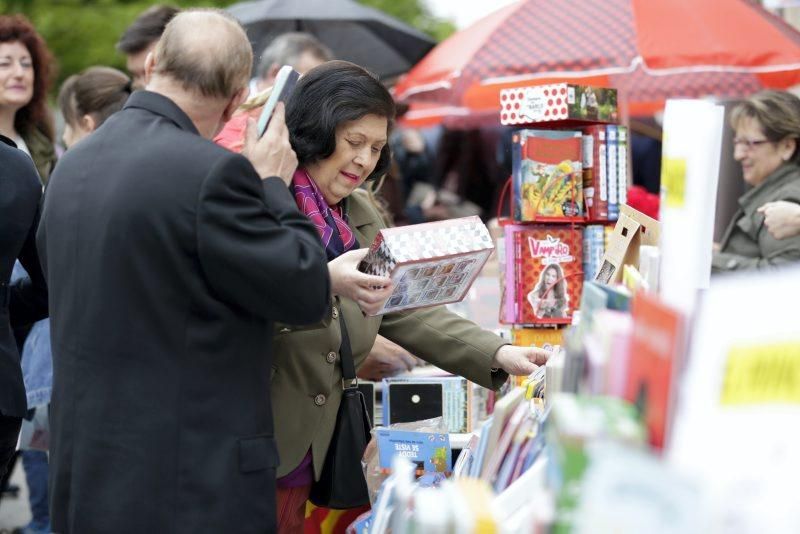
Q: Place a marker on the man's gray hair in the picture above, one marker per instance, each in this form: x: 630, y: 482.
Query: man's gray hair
x: 287, y: 48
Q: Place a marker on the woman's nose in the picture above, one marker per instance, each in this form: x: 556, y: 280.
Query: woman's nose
x: 18, y: 71
x: 361, y: 158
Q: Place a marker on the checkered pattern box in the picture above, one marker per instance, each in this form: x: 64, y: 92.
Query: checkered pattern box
x: 557, y: 102
x: 430, y: 263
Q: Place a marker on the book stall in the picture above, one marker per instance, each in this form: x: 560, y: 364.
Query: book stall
x: 662, y: 408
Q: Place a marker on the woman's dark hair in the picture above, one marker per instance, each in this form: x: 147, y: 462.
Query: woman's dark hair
x: 97, y: 91
x: 16, y: 28
x: 327, y: 96
x: 559, y: 290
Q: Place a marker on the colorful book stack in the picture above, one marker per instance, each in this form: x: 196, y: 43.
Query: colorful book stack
x: 569, y: 168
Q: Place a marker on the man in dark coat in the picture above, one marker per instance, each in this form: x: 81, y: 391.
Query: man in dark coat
x: 168, y: 259
x: 25, y: 301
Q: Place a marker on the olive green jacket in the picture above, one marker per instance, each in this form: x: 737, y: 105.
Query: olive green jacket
x: 306, y: 379
x: 42, y: 151
x: 747, y: 244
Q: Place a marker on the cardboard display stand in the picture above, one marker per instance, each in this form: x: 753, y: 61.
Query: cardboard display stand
x: 633, y: 229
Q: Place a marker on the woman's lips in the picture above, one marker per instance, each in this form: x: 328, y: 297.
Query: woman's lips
x: 349, y: 176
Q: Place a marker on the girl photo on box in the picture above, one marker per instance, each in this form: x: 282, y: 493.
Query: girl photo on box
x: 549, y: 298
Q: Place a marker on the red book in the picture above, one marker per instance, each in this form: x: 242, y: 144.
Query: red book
x: 549, y: 273
x: 657, y: 342
x: 547, y: 175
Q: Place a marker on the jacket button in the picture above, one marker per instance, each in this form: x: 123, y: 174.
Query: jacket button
x: 319, y: 400
x: 335, y: 313
x: 331, y: 357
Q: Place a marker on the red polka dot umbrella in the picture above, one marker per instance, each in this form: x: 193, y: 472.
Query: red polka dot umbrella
x: 650, y: 50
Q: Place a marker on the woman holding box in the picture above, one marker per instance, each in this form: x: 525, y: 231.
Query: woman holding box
x: 339, y: 119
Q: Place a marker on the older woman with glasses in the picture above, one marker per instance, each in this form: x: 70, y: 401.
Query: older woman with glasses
x: 767, y: 129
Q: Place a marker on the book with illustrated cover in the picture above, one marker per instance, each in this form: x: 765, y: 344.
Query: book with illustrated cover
x: 547, y: 177
x: 548, y: 273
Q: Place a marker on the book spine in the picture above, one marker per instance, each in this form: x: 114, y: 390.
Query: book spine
x: 517, y: 140
x: 622, y: 163
x: 518, y: 280
x: 613, y: 178
x: 601, y: 180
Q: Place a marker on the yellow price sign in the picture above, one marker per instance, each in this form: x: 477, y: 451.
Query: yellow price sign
x: 762, y: 374
x: 673, y: 181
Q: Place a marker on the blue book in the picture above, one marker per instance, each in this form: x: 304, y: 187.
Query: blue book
x: 480, y: 454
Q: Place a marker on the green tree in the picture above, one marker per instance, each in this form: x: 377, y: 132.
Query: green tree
x: 81, y: 33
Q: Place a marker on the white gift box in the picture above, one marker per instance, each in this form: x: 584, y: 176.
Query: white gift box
x: 430, y: 263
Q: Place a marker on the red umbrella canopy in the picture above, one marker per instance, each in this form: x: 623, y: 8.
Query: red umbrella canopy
x: 649, y: 50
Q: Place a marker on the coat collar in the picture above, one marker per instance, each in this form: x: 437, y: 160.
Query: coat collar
x: 8, y: 141
x: 764, y: 191
x: 161, y: 105
x: 359, y: 210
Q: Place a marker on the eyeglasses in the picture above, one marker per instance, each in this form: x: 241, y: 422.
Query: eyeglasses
x: 749, y: 144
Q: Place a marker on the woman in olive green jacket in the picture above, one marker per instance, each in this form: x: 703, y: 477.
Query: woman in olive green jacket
x: 339, y: 118
x: 767, y: 129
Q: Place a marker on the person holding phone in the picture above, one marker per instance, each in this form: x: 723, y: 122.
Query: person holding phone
x: 168, y: 259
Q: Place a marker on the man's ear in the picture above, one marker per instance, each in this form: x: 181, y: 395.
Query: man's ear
x: 88, y: 123
x: 788, y: 146
x: 272, y: 72
x: 149, y: 65
x: 236, y: 100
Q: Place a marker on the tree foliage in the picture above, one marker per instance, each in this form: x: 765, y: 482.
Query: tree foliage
x: 81, y: 33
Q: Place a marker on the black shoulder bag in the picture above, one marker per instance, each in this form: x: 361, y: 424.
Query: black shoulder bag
x: 342, y: 484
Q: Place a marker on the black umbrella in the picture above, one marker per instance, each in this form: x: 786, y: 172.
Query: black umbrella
x: 353, y: 32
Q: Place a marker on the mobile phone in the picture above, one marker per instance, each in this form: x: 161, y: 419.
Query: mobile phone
x: 284, y: 85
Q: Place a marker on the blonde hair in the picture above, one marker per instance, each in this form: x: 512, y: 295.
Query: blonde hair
x: 257, y: 100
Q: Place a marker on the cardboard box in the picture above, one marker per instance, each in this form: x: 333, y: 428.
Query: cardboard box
x: 558, y: 102
x: 430, y: 263
x: 632, y: 230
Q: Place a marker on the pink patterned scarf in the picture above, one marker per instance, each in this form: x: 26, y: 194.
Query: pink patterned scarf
x: 331, y: 222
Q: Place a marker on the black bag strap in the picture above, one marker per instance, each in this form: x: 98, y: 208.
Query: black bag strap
x: 349, y: 379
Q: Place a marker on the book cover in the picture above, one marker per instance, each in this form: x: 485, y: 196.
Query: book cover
x: 429, y: 452
x: 429, y: 263
x: 657, y: 341
x: 549, y: 180
x: 550, y: 273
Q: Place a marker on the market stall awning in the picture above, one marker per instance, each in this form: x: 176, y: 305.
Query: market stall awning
x: 649, y: 50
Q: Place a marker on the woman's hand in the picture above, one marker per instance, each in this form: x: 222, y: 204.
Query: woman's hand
x: 781, y: 218
x: 368, y: 291
x: 386, y: 359
x: 519, y: 361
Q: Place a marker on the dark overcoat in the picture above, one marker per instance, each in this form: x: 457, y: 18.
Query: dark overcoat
x: 168, y: 260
